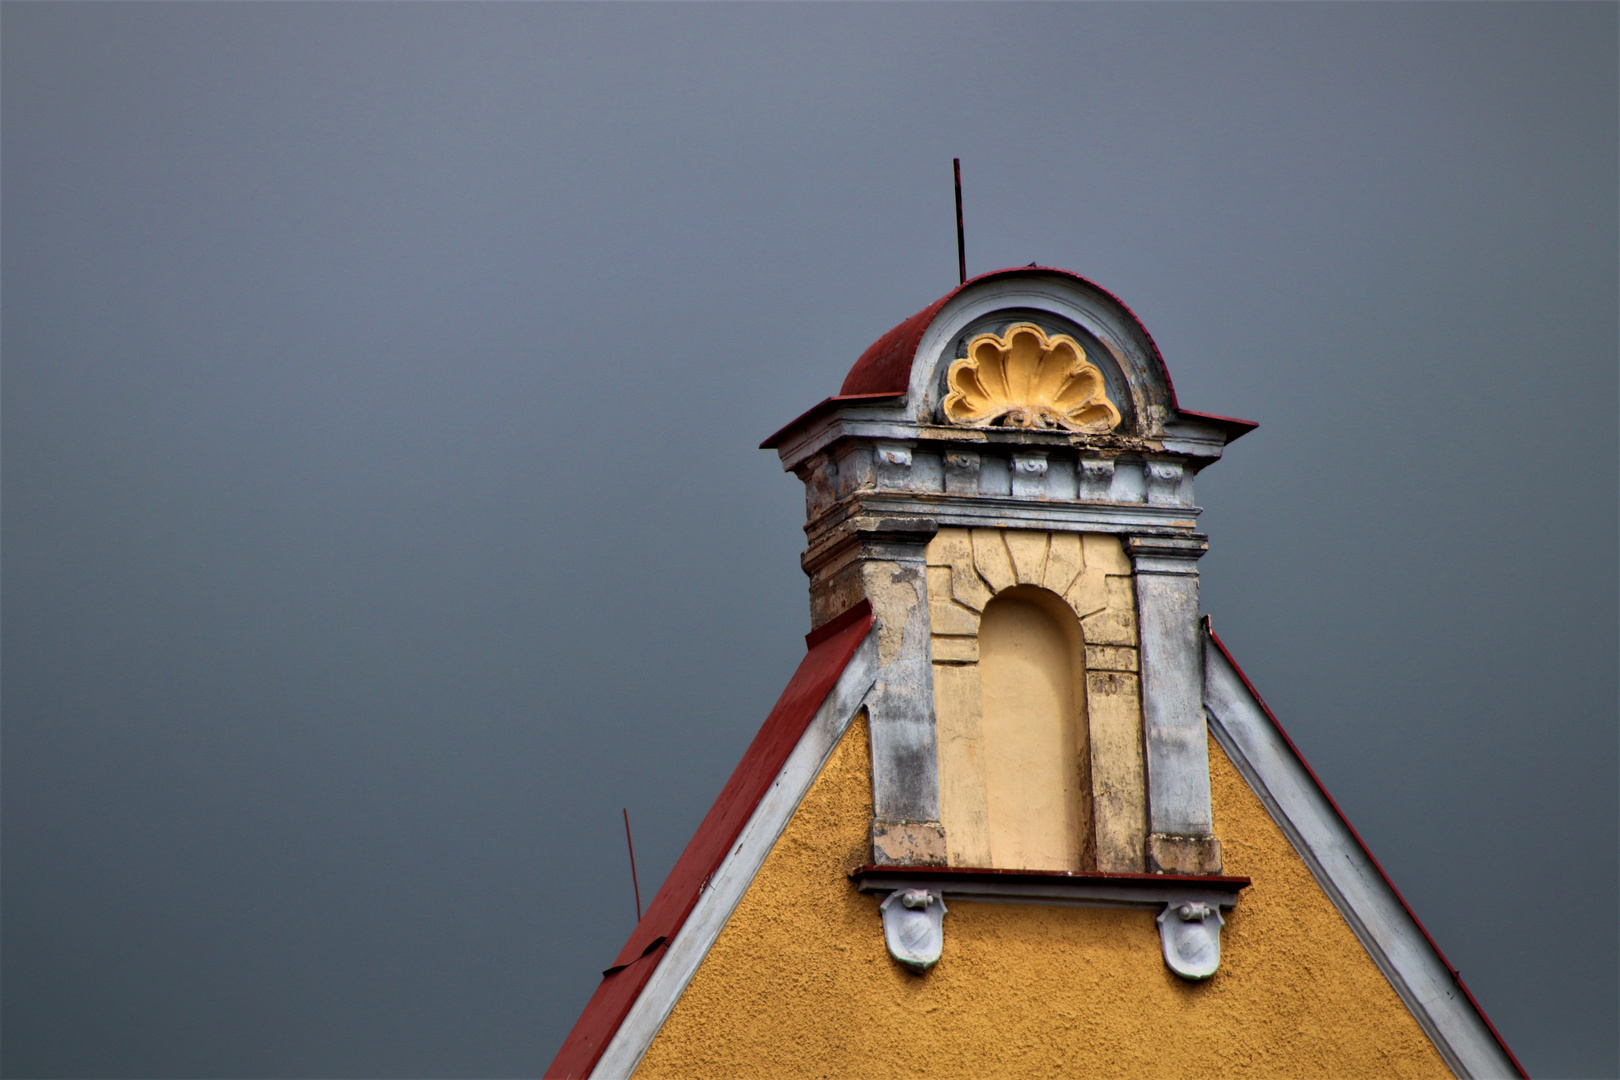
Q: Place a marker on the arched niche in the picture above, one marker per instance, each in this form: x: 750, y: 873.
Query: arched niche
x: 1033, y: 727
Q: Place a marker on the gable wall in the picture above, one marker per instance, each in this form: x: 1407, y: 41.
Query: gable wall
x: 799, y: 983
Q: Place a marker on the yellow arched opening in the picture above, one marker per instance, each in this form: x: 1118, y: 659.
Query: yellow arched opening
x: 1032, y: 681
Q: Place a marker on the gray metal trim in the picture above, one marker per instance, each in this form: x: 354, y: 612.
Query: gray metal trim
x: 1345, y: 872
x: 727, y: 885
x: 985, y: 511
x: 1189, y: 919
x: 1054, y: 893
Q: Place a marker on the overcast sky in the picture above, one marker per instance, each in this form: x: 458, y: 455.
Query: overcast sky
x: 382, y: 508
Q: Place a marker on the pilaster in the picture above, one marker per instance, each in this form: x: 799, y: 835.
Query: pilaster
x: 1181, y: 836
x: 884, y: 560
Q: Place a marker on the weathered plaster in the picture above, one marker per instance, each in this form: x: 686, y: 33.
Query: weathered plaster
x: 882, y: 561
x: 1091, y: 573
x: 1181, y: 837
x: 799, y: 982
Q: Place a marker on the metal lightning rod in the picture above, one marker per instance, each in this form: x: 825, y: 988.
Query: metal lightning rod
x: 961, y: 242
x: 634, y: 884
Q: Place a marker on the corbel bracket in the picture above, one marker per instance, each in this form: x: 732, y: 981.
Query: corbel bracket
x: 1189, y: 906
x: 913, y: 927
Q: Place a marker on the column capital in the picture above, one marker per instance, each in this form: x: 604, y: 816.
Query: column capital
x: 1167, y: 554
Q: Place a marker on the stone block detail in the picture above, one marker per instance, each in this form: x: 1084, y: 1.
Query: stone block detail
x: 956, y: 650
x: 1183, y: 854
x: 908, y: 843
x: 949, y: 618
x: 1110, y: 626
x: 1028, y: 551
x: 1106, y: 553
x: 991, y: 560
x: 1063, y: 562
x: 952, y: 552
x: 959, y: 718
x: 1089, y: 594
x: 1110, y: 658
x: 965, y: 569
x: 1118, y: 778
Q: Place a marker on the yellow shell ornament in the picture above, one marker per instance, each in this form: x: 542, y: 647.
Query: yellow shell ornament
x: 1026, y: 379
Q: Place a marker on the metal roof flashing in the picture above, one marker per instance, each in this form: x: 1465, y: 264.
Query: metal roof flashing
x: 1347, y: 871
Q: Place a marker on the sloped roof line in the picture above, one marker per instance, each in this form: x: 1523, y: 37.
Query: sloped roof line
x: 742, y: 864
x: 1361, y: 844
x: 831, y: 648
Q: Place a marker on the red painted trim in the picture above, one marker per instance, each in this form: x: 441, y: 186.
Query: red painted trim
x: 624, y: 980
x: 1365, y: 850
x: 885, y: 366
x: 861, y: 611
x: 1208, y: 881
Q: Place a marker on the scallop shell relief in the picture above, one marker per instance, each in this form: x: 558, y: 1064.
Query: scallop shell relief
x: 1026, y: 379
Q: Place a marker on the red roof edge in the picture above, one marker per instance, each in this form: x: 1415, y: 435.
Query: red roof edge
x: 1365, y: 850
x: 622, y: 983
x: 825, y: 405
x: 885, y: 367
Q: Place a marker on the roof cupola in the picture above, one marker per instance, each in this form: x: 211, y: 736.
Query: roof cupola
x: 1005, y: 472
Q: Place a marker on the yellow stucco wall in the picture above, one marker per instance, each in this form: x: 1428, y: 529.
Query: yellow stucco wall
x: 798, y: 983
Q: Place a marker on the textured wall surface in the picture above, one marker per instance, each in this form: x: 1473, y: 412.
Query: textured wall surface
x: 799, y: 984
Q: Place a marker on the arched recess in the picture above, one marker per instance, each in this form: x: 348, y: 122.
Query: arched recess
x: 1036, y: 764
x: 967, y: 569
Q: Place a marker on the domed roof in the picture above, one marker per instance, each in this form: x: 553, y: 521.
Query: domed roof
x: 884, y: 370
x: 885, y: 367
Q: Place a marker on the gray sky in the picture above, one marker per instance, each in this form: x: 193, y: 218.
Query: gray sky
x: 382, y: 513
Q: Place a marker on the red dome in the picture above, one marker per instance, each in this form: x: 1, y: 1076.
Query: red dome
x: 885, y: 367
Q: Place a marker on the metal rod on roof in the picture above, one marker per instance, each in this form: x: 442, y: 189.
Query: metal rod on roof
x: 961, y: 242
x: 634, y: 884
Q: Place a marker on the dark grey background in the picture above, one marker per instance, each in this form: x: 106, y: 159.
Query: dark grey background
x: 382, y: 511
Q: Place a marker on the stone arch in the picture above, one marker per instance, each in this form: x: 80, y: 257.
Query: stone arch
x: 1082, y: 583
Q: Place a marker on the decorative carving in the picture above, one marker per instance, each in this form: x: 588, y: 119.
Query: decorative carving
x: 1030, y: 464
x: 1190, y: 933
x: 1189, y: 920
x: 962, y: 473
x: 1029, y: 476
x: 1096, y: 478
x: 913, y: 927
x: 894, y: 454
x: 1026, y: 379
x: 1164, y: 482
